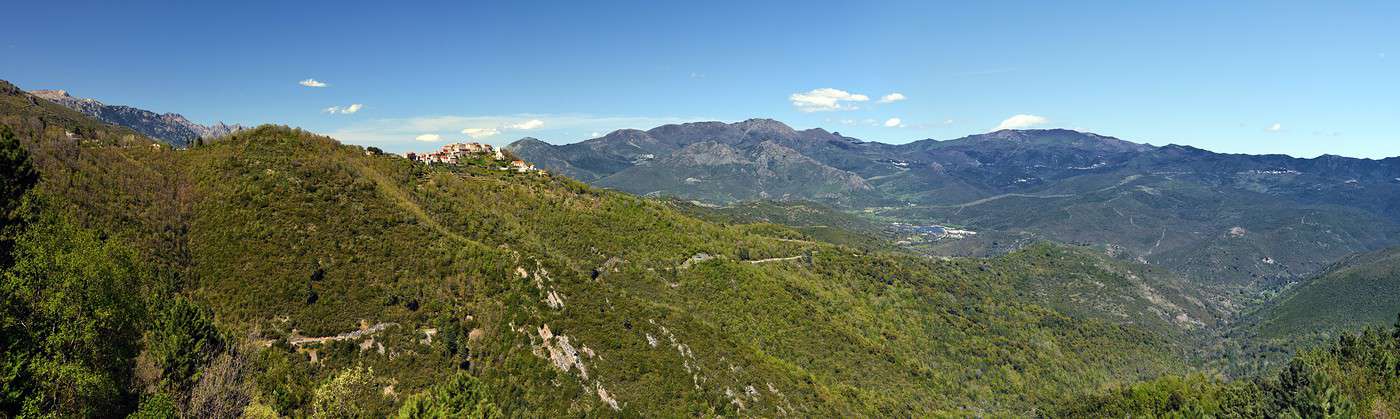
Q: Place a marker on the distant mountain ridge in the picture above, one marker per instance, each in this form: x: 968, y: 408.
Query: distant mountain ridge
x: 990, y: 162
x: 1231, y: 218
x: 170, y: 128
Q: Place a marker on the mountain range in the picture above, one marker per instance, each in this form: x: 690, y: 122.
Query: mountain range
x: 1232, y: 218
x: 276, y: 270
x: 170, y: 128
x: 279, y: 273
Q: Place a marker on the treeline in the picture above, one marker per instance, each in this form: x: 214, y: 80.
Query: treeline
x: 1358, y: 375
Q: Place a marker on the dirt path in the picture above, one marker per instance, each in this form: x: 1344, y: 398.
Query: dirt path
x: 775, y: 259
x: 1120, y: 183
x: 994, y: 198
x: 793, y: 240
x: 297, y: 340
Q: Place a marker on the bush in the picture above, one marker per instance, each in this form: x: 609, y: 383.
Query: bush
x: 350, y: 394
x: 462, y: 396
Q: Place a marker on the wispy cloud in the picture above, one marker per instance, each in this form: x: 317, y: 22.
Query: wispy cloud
x: 480, y: 132
x: 527, y: 125
x: 894, y: 123
x: 1022, y: 121
x: 312, y: 83
x: 428, y: 138
x: 1276, y: 127
x: 826, y: 99
x: 344, y: 110
x: 892, y: 97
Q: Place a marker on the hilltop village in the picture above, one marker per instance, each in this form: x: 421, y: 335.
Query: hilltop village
x: 459, y: 152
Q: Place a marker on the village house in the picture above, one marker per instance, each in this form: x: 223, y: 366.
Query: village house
x: 455, y: 152
x: 520, y: 166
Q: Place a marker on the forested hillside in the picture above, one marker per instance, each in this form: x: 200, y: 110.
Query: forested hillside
x: 1252, y: 222
x: 1357, y: 375
x: 280, y: 271
x: 1357, y: 291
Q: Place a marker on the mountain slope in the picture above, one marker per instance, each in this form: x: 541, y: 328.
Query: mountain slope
x: 1361, y: 290
x: 718, y: 172
x: 561, y: 298
x: 729, y: 318
x: 1252, y: 222
x: 170, y: 128
x: 815, y: 221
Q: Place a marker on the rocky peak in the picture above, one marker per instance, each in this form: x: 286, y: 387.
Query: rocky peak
x: 764, y: 126
x: 50, y: 94
x: 9, y: 89
x: 526, y: 142
x: 680, y: 135
x: 772, y: 151
x: 170, y: 128
x: 1054, y: 138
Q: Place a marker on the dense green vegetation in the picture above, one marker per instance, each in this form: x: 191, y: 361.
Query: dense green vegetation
x: 1358, y: 291
x: 68, y: 316
x: 815, y: 221
x: 1358, y: 375
x: 1354, y: 293
x: 275, y: 272
x: 555, y: 296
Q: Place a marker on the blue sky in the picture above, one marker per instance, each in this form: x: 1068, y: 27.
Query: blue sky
x: 1299, y: 78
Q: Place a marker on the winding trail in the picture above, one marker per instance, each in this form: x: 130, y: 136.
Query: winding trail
x: 775, y: 259
x: 298, y: 340
x: 1120, y: 183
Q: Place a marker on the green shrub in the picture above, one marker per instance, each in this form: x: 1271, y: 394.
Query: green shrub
x: 461, y: 396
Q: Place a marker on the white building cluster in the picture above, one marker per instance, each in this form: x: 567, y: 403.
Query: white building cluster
x: 458, y: 152
x: 452, y: 153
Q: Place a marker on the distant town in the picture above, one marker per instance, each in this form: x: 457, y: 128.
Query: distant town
x: 918, y: 234
x: 456, y: 153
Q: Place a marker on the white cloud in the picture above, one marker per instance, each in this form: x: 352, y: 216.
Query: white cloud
x: 595, y: 134
x: 312, y: 83
x: 430, y: 138
x: 892, y: 97
x: 894, y: 123
x: 1276, y: 127
x: 826, y: 99
x: 1022, y: 121
x: 527, y: 125
x: 480, y: 132
x: 344, y: 110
